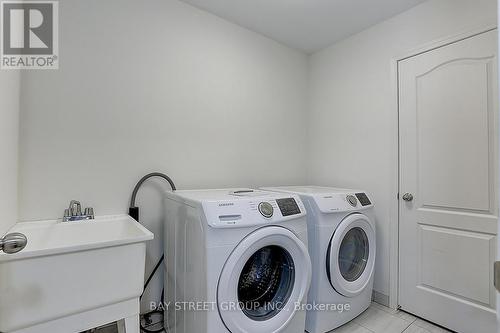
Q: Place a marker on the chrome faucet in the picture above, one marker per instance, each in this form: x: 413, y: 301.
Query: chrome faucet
x: 74, y: 212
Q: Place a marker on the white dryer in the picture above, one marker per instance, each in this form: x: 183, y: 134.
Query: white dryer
x: 342, y: 247
x: 236, y: 261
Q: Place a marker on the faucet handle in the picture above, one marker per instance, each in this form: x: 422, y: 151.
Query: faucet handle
x: 89, y: 211
x: 75, y: 208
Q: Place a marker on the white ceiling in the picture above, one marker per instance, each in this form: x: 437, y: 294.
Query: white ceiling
x: 308, y: 25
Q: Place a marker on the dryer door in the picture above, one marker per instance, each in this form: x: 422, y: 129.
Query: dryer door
x: 351, y: 255
x: 263, y: 279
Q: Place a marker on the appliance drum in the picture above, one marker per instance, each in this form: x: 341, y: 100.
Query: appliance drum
x: 266, y: 282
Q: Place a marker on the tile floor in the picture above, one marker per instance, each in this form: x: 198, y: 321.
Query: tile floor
x: 380, y: 319
x: 377, y: 319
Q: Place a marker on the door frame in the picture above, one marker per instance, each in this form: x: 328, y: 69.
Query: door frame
x: 395, y: 215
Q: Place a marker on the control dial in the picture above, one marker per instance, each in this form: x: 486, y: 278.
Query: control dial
x: 266, y: 209
x: 351, y: 199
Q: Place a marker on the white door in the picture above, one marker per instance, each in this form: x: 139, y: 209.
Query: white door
x: 448, y: 184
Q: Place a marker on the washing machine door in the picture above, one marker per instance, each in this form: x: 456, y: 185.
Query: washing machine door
x: 263, y: 280
x: 351, y: 255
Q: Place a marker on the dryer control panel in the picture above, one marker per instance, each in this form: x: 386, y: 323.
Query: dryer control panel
x: 363, y: 199
x: 342, y: 202
x: 250, y: 211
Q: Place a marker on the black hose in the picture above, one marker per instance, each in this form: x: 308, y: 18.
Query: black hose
x: 153, y: 272
x: 146, y: 177
x: 134, y: 213
x: 158, y: 330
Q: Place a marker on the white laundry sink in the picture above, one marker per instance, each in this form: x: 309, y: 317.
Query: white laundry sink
x: 73, y: 276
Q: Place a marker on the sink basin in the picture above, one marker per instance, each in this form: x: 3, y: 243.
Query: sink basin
x: 73, y: 276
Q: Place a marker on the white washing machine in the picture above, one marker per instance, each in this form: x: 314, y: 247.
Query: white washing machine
x: 236, y: 261
x: 342, y: 247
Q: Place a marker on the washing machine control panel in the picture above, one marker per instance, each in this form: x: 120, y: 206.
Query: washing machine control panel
x: 253, y: 211
x: 266, y: 209
x: 288, y: 206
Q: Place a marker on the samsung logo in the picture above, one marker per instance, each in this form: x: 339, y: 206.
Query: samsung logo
x: 226, y: 204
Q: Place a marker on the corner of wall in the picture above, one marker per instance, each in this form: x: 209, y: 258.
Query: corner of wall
x: 10, y: 88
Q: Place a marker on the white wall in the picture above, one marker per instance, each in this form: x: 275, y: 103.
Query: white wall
x: 9, y: 125
x: 353, y: 123
x: 157, y: 86
x: 166, y: 87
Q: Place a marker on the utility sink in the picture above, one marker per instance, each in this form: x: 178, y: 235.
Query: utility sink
x: 73, y: 276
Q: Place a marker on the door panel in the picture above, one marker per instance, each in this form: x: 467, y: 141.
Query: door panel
x: 470, y: 253
x: 448, y: 162
x: 465, y: 144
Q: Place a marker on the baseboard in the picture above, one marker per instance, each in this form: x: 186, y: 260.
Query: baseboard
x: 380, y: 298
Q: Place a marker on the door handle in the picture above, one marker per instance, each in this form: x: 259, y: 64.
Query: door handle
x: 13, y: 243
x: 496, y: 275
x: 408, y: 197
